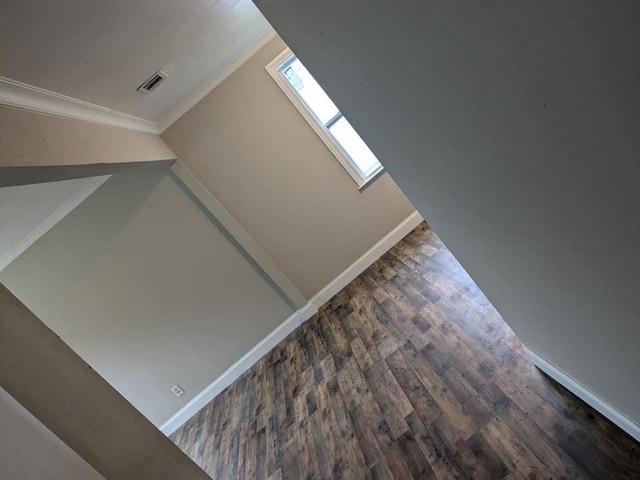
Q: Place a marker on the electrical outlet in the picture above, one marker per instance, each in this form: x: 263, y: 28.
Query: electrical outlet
x: 177, y: 389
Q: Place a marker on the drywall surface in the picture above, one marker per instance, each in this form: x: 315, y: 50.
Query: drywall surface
x: 253, y: 150
x: 52, y: 382
x: 29, y: 451
x: 28, y: 211
x: 514, y: 129
x: 31, y: 139
x: 145, y: 288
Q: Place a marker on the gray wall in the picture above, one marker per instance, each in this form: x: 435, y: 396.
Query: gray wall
x: 145, y: 288
x: 28, y: 211
x: 252, y: 149
x: 514, y: 127
x: 74, y: 402
x: 29, y: 451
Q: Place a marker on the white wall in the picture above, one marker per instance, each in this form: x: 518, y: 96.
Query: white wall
x: 144, y: 287
x: 28, y: 211
x: 513, y: 126
x: 29, y: 451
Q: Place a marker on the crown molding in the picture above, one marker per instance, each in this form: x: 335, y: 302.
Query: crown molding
x: 22, y: 96
x: 202, y: 91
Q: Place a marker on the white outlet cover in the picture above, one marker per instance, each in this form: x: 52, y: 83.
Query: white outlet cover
x: 178, y: 390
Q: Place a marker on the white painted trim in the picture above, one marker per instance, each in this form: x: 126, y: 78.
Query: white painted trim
x: 27, y: 97
x: 202, y: 91
x: 308, y: 311
x: 362, y: 263
x: 22, y: 96
x: 590, y: 398
x: 237, y: 369
x: 62, y: 211
x: 202, y: 193
x: 291, y: 323
x: 273, y: 69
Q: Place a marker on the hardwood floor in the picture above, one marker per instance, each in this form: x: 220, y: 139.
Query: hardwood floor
x: 409, y: 372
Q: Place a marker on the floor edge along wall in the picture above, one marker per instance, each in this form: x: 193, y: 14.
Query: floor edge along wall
x: 290, y: 324
x: 586, y: 395
x: 324, y: 295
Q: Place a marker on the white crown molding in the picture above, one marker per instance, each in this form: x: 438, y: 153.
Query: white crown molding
x: 22, y: 96
x: 202, y: 91
x: 366, y: 260
x: 237, y: 369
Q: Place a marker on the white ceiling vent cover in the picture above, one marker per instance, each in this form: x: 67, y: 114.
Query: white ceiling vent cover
x: 152, y: 82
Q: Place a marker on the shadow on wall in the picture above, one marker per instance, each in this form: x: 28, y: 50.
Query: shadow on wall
x: 147, y: 290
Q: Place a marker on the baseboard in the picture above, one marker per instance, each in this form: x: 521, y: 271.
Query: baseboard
x: 366, y: 260
x: 237, y: 369
x: 204, y: 89
x: 290, y: 324
x: 307, y: 312
x: 575, y: 387
x: 185, y: 176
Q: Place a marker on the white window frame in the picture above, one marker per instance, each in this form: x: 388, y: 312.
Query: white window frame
x: 273, y: 68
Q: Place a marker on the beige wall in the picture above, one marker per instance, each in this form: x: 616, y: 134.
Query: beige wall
x: 147, y: 290
x: 252, y: 149
x: 30, y: 451
x: 30, y: 139
x: 513, y: 127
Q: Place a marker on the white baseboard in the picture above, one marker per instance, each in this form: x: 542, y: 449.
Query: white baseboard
x: 568, y: 382
x: 366, y: 260
x: 290, y: 324
x: 237, y: 369
x: 21, y: 96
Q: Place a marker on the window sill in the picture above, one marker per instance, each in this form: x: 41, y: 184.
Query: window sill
x: 371, y: 179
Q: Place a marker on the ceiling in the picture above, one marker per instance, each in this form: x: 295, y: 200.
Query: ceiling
x: 100, y: 51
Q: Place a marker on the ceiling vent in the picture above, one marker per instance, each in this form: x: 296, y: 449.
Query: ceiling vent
x: 152, y: 82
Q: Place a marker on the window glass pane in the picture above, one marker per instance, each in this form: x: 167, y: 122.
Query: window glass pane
x: 351, y: 142
x: 313, y: 95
